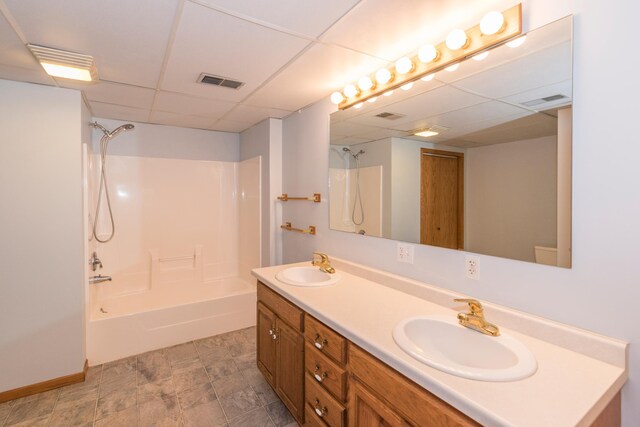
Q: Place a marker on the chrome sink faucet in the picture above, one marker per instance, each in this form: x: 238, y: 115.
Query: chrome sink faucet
x: 323, y: 262
x: 475, y: 320
x: 95, y: 262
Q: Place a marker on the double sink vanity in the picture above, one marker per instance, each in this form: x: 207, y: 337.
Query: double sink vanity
x: 343, y: 344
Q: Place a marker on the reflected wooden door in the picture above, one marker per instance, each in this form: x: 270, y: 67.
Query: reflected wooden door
x: 441, y: 198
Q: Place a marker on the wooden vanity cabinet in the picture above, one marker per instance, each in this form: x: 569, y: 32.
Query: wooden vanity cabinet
x: 280, y: 348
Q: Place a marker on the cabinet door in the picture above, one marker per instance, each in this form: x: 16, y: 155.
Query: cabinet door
x: 266, y: 344
x: 290, y: 368
x: 367, y: 410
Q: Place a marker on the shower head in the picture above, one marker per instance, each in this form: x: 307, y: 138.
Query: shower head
x: 355, y: 155
x: 346, y: 149
x: 116, y: 131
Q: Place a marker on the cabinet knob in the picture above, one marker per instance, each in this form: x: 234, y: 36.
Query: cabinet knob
x: 321, y: 411
x: 320, y: 343
x: 319, y: 377
x: 274, y: 336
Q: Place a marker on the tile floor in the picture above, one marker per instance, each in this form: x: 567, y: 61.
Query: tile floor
x: 209, y: 382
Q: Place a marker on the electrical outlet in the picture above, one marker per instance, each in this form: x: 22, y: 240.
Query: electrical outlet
x: 405, y: 253
x: 472, y: 267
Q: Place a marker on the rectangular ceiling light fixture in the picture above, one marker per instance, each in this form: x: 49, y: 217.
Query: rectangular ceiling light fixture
x: 68, y: 65
x: 427, y: 133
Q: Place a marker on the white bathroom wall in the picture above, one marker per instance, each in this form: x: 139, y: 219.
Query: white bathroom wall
x: 41, y: 234
x: 600, y: 292
x: 170, y: 142
x: 511, y: 198
x: 265, y: 140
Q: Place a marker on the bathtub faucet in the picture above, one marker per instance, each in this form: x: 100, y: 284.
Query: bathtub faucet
x: 95, y: 262
x: 99, y: 279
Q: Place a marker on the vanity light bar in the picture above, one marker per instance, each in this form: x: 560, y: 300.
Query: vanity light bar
x: 409, y: 69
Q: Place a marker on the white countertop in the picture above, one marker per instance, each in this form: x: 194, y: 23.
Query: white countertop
x: 569, y: 388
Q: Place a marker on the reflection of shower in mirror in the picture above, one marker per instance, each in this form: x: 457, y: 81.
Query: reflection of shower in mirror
x: 357, y: 200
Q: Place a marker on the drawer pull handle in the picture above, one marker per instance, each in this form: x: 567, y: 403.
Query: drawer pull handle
x: 318, y: 343
x: 320, y: 411
x: 318, y: 376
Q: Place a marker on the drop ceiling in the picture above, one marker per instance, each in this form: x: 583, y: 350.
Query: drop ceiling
x: 289, y: 53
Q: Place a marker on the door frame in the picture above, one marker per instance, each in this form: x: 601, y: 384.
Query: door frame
x: 460, y: 219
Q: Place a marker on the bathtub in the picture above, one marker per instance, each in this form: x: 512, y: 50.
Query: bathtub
x: 126, y: 325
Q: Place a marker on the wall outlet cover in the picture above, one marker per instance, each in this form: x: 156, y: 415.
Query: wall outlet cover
x: 472, y: 267
x: 405, y: 253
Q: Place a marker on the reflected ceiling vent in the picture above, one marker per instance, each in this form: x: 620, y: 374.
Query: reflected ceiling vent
x: 390, y: 116
x: 539, y: 101
x: 211, y: 79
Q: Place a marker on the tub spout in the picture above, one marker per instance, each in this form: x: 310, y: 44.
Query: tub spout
x: 99, y: 279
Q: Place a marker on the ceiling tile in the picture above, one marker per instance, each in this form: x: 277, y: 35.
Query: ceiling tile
x: 310, y: 17
x: 12, y: 51
x: 230, y: 126
x: 189, y: 105
x: 127, y: 38
x: 164, y: 118
x: 8, y: 72
x: 119, y: 112
x: 114, y: 93
x: 321, y: 70
x: 203, y: 43
x: 246, y: 113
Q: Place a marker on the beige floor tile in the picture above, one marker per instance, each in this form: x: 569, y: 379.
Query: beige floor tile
x: 255, y: 418
x: 181, y: 351
x: 240, y: 402
x: 279, y: 414
x: 204, y: 415
x: 81, y: 414
x: 198, y: 395
x: 33, y: 408
x: 126, y: 418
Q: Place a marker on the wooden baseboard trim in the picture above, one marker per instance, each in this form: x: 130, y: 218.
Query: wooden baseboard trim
x: 45, y: 385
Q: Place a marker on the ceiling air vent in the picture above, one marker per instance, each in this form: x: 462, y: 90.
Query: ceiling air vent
x: 390, y: 116
x: 211, y: 79
x: 543, y: 100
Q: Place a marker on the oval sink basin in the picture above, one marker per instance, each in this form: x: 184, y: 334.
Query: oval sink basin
x: 306, y: 276
x: 441, y: 342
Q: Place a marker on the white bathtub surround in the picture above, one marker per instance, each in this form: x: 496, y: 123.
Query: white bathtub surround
x: 578, y: 372
x: 187, y: 236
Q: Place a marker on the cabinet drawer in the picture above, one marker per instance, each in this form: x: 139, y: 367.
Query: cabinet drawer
x: 322, y: 404
x: 332, y: 377
x: 409, y: 400
x: 326, y: 339
x: 311, y: 419
x: 281, y: 307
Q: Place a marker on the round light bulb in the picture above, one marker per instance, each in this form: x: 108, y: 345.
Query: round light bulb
x: 350, y: 91
x: 404, y: 65
x: 365, y: 83
x: 452, y: 68
x: 388, y: 93
x: 428, y: 53
x: 517, y: 42
x: 457, y: 39
x: 428, y: 77
x: 481, y: 56
x: 407, y: 86
x: 358, y: 105
x: 372, y: 99
x: 337, y: 98
x: 383, y: 76
x: 492, y: 23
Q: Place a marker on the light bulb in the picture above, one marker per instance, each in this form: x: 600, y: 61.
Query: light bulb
x: 492, y: 23
x: 457, y: 39
x: 358, y: 105
x: 452, y: 68
x: 407, y: 86
x: 383, y: 76
x: 517, y: 42
x: 481, y: 56
x: 428, y: 77
x: 388, y: 93
x: 428, y: 53
x: 350, y: 91
x: 372, y: 99
x: 337, y: 98
x: 404, y: 65
x: 365, y: 83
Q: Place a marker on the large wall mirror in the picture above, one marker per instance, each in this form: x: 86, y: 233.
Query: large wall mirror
x: 493, y: 173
